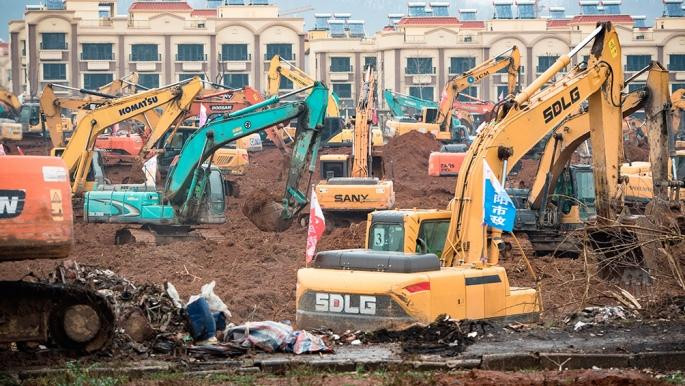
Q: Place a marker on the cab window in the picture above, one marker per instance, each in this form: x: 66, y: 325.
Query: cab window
x: 680, y: 167
x: 432, y: 235
x: 386, y: 237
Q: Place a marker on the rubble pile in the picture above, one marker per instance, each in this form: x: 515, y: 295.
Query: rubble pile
x: 445, y: 336
x: 147, y: 319
x: 151, y: 319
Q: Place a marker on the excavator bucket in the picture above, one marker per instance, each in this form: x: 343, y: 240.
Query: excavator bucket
x: 266, y: 213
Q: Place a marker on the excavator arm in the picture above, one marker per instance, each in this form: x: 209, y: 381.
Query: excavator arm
x: 575, y: 130
x: 397, y: 102
x: 174, y: 100
x: 280, y: 67
x: 186, y: 181
x: 502, y: 143
x: 10, y: 100
x: 510, y: 59
x: 362, y: 140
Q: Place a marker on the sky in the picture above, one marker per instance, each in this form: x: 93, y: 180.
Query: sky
x: 374, y: 12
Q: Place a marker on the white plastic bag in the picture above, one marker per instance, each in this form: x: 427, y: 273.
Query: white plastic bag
x: 215, y: 302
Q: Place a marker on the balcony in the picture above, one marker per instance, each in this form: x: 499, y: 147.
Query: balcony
x: 202, y: 58
x: 412, y: 71
x: 268, y: 58
x: 132, y: 59
x: 57, y: 47
x: 102, y: 22
x: 103, y: 59
x: 342, y: 69
x: 233, y: 64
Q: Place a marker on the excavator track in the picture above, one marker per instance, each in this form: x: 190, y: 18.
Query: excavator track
x: 159, y: 235
x: 68, y: 316
x: 512, y: 249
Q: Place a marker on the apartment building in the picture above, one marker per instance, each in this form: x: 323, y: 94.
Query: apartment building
x: 5, y: 65
x: 418, y: 52
x: 85, y: 43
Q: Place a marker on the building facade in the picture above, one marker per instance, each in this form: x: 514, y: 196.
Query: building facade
x: 419, y: 52
x: 83, y: 43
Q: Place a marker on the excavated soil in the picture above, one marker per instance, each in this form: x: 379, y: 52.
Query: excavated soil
x: 255, y: 271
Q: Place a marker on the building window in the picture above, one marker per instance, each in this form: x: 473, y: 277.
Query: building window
x: 340, y: 64
x: 105, y: 10
x: 421, y: 92
x: 285, y: 84
x: 53, y: 41
x: 343, y: 90
x: 470, y: 91
x: 637, y: 62
x: 236, y: 80
x: 635, y: 86
x: 234, y: 52
x: 97, y: 51
x: 676, y: 62
x: 182, y: 77
x: 148, y: 80
x: 545, y: 62
x: 95, y: 81
x: 419, y: 66
x: 144, y: 53
x: 284, y: 50
x: 370, y: 61
x: 502, y: 92
x: 54, y: 71
x: 191, y: 53
x: 677, y: 86
x: 460, y: 65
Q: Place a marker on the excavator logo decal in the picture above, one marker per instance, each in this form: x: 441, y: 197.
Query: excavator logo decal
x: 558, y: 106
x: 124, y: 210
x: 351, y: 197
x: 221, y: 107
x: 137, y: 106
x: 473, y: 79
x: 11, y: 203
x: 366, y: 305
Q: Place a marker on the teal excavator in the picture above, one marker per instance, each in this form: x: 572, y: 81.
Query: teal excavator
x: 193, y: 192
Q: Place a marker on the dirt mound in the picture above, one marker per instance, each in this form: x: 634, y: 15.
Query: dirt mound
x: 406, y: 156
x: 264, y: 211
x: 635, y: 153
x: 344, y: 238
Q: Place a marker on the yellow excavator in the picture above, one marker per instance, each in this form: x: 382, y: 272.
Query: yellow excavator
x: 335, y: 133
x: 350, y: 186
x: 439, y: 121
x: 174, y: 100
x: 561, y: 197
x: 9, y: 110
x: 386, y: 287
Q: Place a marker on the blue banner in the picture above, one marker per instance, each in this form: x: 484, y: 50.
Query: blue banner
x: 498, y: 208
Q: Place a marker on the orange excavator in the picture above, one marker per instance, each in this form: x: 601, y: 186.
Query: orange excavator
x: 36, y: 222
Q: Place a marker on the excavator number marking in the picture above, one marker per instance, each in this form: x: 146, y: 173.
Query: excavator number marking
x: 560, y: 105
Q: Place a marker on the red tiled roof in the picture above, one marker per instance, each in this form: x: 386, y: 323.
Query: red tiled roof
x: 476, y: 24
x: 432, y: 20
x: 388, y: 28
x: 204, y: 12
x: 585, y: 19
x: 558, y: 23
x: 160, y: 6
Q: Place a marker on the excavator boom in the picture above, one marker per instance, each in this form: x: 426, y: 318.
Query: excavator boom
x: 174, y: 100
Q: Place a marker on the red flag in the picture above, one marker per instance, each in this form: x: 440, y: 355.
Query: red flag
x: 21, y: 152
x: 317, y: 225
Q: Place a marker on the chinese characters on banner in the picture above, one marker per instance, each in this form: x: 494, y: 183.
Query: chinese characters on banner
x: 317, y: 225
x: 498, y: 208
